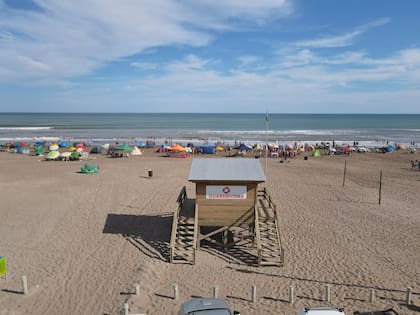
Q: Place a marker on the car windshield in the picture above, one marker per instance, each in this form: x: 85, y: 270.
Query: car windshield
x: 211, y: 312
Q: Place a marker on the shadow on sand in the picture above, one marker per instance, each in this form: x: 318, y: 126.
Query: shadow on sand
x: 151, y: 234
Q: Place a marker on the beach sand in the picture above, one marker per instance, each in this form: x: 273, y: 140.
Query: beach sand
x: 83, y: 241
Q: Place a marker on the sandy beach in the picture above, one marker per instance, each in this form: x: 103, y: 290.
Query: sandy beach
x: 83, y: 241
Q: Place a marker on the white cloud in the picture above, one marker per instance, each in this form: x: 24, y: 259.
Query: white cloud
x: 247, y: 60
x: 144, y: 65
x: 343, y: 40
x: 73, y: 38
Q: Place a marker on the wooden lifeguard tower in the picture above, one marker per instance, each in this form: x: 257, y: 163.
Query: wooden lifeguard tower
x: 228, y: 204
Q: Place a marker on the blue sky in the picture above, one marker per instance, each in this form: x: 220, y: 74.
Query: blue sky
x: 281, y: 56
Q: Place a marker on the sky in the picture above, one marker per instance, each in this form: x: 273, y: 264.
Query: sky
x: 210, y: 56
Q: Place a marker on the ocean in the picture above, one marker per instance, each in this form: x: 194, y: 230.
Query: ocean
x: 370, y: 129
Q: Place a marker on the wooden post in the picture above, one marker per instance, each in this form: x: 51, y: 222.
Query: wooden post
x: 254, y: 294
x: 408, y: 297
x: 371, y: 295
x: 125, y: 308
x: 344, y: 175
x: 380, y: 186
x: 327, y: 293
x: 291, y: 295
x: 25, y: 285
x: 137, y: 288
x: 176, y: 293
x: 216, y: 292
x: 150, y: 173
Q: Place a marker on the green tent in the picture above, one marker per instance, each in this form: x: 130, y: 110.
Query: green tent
x: 39, y: 150
x: 317, y: 153
x: 124, y: 147
x: 89, y: 168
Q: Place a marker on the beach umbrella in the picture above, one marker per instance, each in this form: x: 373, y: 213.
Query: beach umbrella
x: 72, y: 149
x: 23, y: 144
x: 65, y: 155
x: 80, y: 145
x: 177, y: 147
x: 9, y: 144
x: 40, y: 143
x: 53, y: 155
x: 75, y: 155
x: 105, y: 146
x: 317, y: 153
x: 80, y: 149
x: 53, y: 147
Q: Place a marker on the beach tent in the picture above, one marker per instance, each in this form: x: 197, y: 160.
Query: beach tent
x: 63, y: 144
x: 317, y: 153
x: 89, y: 168
x: 177, y: 148
x: 80, y: 149
x: 96, y: 150
x: 53, y: 155
x: 124, y: 147
x: 244, y: 147
x: 389, y: 148
x: 209, y: 149
x: 23, y: 150
x: 136, y: 151
x: 39, y: 150
x: 42, y: 143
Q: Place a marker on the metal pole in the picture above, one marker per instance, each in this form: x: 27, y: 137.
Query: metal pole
x: 344, y: 176
x: 254, y: 294
x: 380, y: 187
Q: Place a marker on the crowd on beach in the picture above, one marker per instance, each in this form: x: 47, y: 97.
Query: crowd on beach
x: 67, y: 151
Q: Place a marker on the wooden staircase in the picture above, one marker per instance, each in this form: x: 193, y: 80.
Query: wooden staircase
x: 184, y: 227
x: 267, y: 231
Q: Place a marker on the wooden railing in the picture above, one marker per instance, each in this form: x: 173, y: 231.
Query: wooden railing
x: 258, y: 236
x: 265, y: 195
x: 179, y: 203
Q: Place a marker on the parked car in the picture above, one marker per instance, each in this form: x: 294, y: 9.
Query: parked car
x: 205, y: 306
x: 322, y: 311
